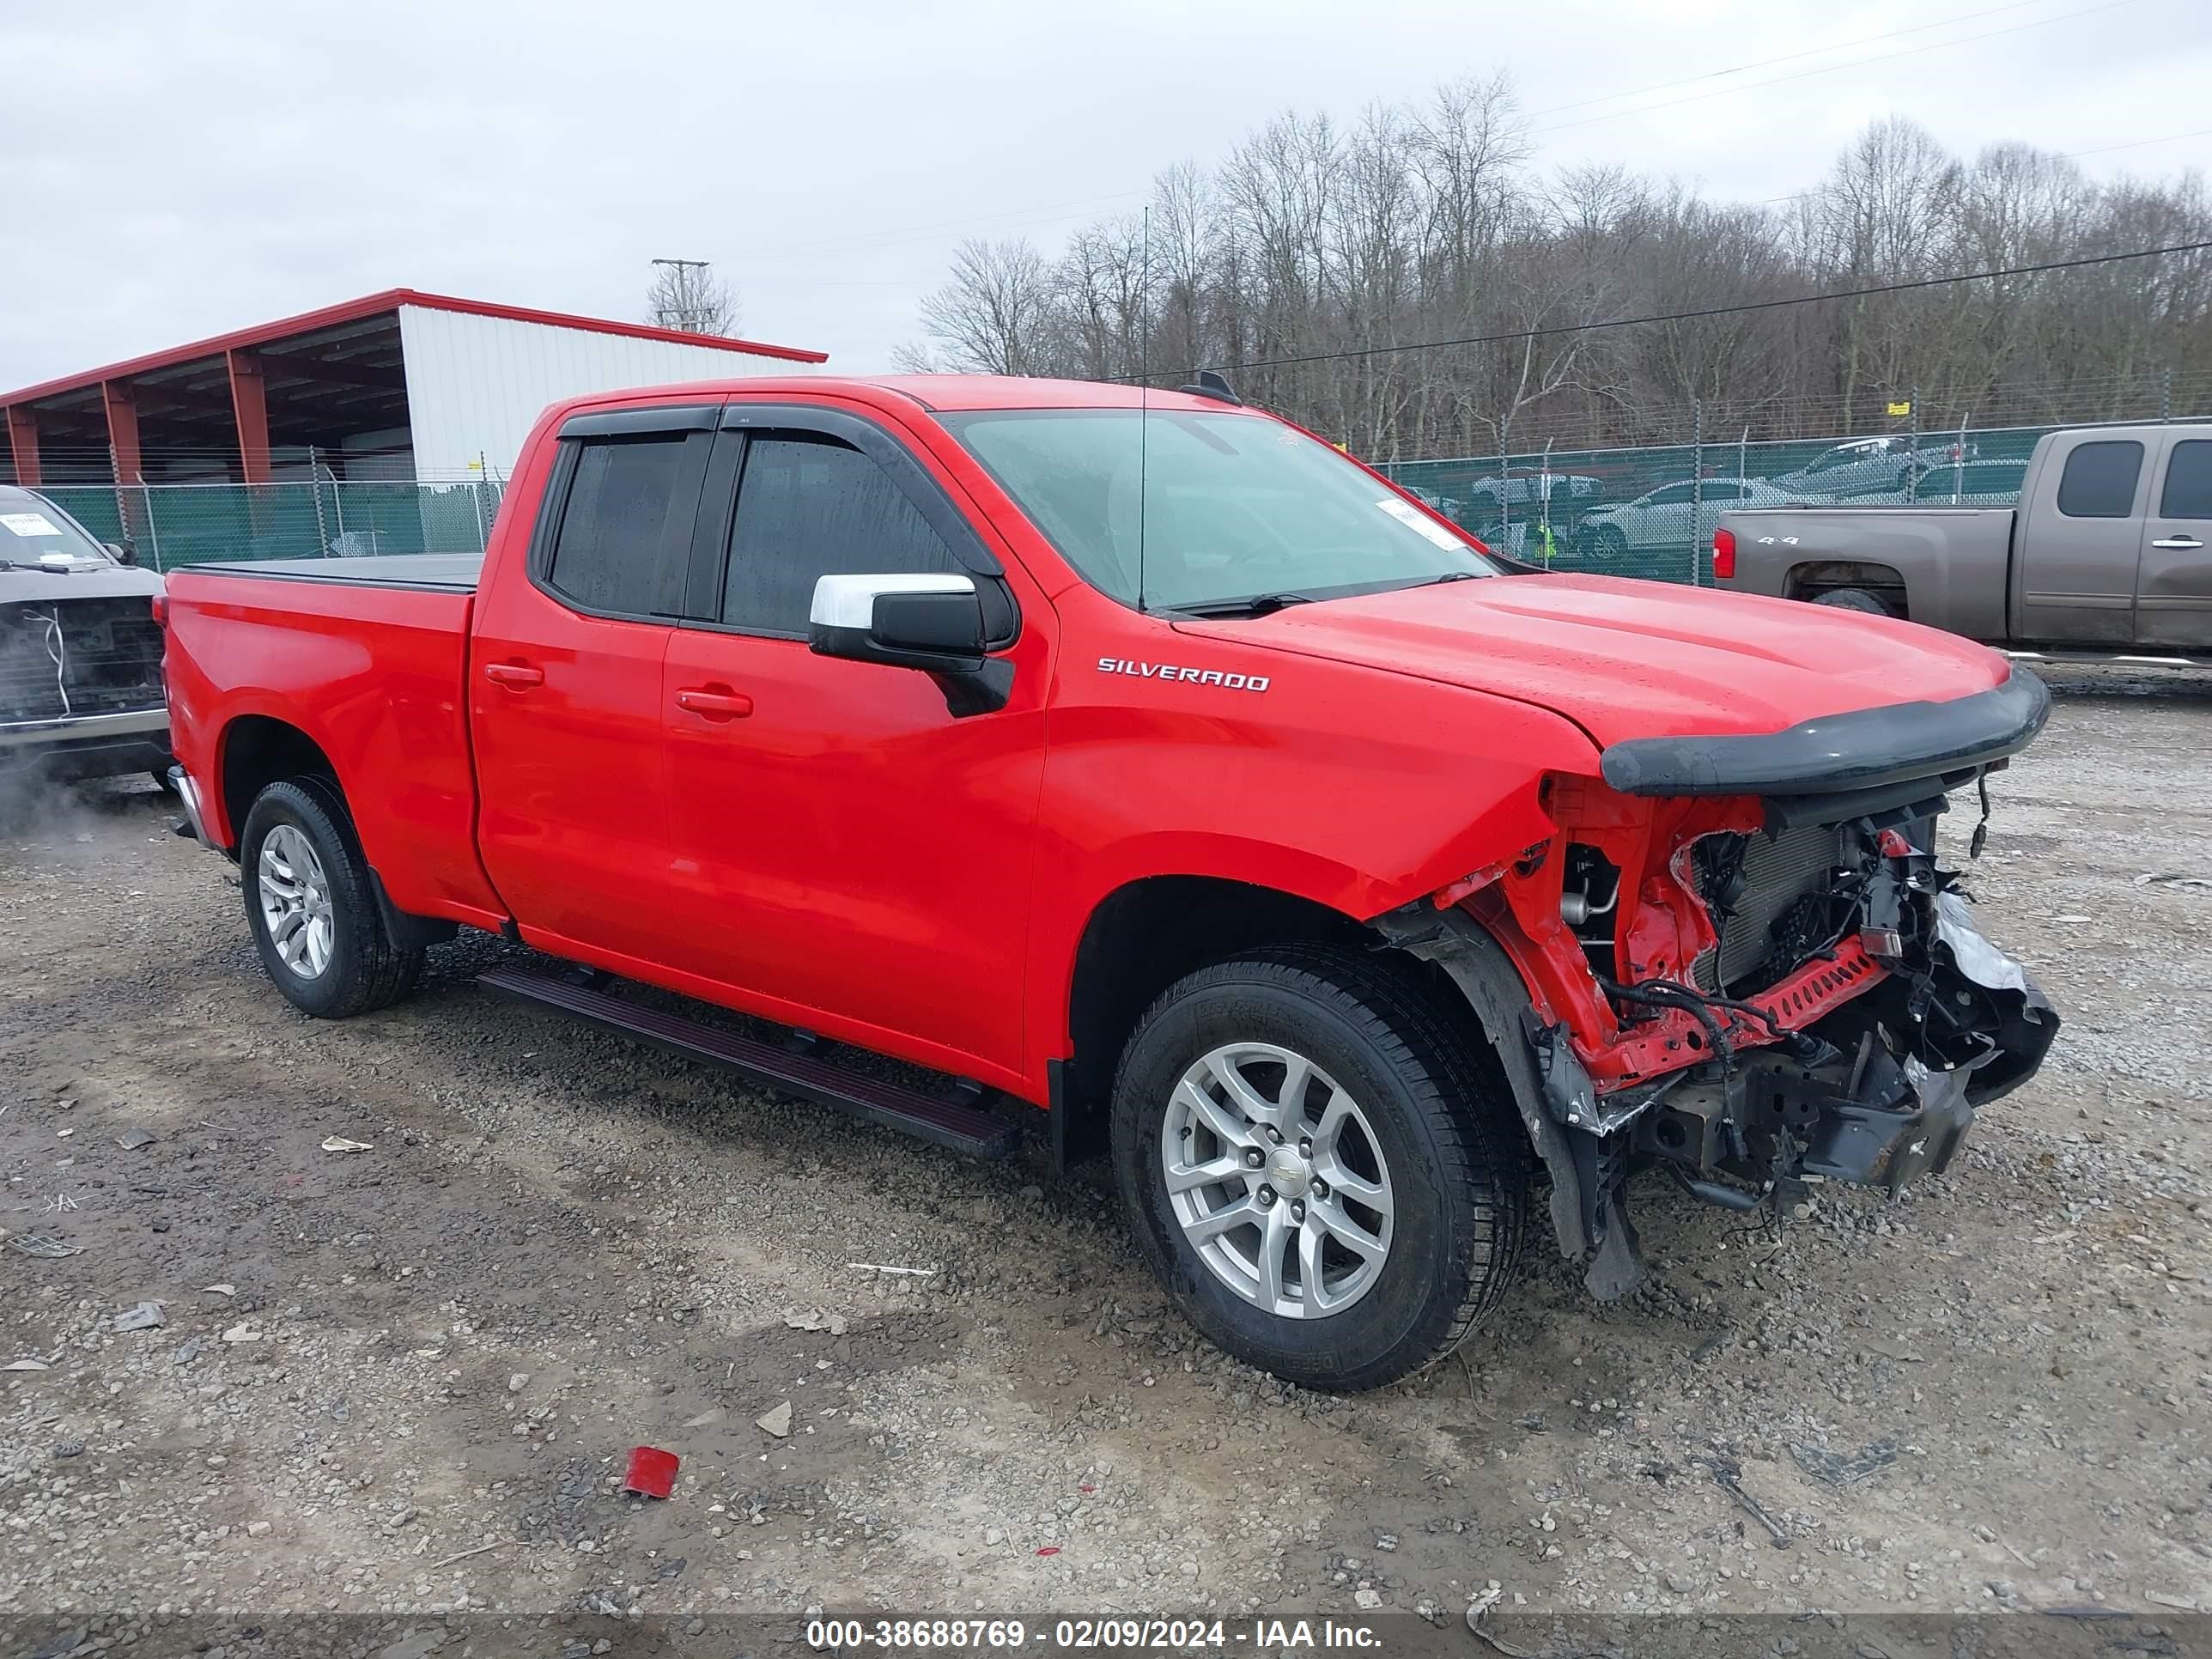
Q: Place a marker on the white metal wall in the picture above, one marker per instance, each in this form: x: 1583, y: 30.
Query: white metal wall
x: 479, y: 384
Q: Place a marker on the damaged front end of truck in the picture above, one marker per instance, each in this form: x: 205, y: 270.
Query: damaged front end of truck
x: 1737, y: 960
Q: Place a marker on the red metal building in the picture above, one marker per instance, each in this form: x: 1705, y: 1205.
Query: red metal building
x: 396, y: 385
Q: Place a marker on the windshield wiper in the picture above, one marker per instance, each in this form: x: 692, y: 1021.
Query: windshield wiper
x: 1255, y: 605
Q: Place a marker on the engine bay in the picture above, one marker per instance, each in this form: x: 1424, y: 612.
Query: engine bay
x: 1750, y: 1000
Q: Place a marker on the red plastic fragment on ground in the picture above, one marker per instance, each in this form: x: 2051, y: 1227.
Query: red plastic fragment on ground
x: 652, y: 1472
x: 1049, y: 1549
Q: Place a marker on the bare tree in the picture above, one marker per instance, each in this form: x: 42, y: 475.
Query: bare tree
x: 1314, y: 252
x: 994, y: 315
x: 686, y: 295
x: 914, y: 357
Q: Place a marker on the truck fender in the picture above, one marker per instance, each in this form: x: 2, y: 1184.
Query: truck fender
x: 1486, y: 977
x: 255, y: 704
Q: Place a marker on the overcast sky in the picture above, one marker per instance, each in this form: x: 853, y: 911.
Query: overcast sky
x: 175, y: 170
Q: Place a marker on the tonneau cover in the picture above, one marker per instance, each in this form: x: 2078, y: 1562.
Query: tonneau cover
x: 454, y: 572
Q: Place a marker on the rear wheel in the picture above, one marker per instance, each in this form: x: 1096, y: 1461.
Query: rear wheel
x: 1315, y: 1167
x: 1854, y: 598
x: 312, y: 907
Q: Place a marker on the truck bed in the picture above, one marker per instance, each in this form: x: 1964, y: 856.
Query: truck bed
x: 1955, y: 561
x: 371, y: 656
x: 433, y: 573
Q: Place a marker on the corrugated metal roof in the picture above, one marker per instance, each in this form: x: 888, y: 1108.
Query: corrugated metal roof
x: 373, y: 305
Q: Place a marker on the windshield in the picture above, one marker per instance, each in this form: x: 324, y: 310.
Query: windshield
x: 33, y: 532
x: 1222, y: 507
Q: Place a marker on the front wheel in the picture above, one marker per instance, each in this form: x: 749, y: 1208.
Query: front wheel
x: 312, y: 906
x: 1608, y: 543
x: 1316, y: 1167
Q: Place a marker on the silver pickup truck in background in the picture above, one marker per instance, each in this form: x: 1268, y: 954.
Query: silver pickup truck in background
x: 2105, y: 553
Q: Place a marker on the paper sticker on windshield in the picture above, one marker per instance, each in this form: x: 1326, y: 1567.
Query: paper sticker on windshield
x: 1406, y: 513
x: 30, y: 524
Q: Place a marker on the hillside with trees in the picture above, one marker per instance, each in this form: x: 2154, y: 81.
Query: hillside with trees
x: 1315, y: 239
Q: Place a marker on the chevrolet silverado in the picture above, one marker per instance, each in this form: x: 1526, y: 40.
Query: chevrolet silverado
x: 1142, y: 759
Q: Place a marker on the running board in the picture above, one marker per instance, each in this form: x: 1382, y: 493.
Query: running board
x: 954, y: 1125
x: 2109, y: 660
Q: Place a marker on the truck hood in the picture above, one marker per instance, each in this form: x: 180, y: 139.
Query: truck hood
x: 1626, y: 659
x: 86, y: 581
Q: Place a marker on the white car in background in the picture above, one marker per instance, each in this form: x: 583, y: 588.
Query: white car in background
x: 1869, y: 464
x: 1963, y: 483
x: 1668, y: 518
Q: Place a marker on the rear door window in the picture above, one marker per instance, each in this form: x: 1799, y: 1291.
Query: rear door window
x: 627, y: 523
x: 2099, y: 479
x: 2188, y: 493
x: 810, y: 506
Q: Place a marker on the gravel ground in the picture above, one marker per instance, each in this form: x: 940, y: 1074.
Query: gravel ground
x: 404, y: 1379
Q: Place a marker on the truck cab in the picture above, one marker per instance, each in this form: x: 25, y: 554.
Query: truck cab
x: 2110, y: 546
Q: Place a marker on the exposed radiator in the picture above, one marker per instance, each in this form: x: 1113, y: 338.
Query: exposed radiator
x: 110, y: 652
x: 1777, y: 871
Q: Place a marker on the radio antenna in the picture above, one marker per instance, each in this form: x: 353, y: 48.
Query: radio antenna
x: 1144, y: 391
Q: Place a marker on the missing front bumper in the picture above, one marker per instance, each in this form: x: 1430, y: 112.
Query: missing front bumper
x: 1738, y: 1139
x: 1879, y: 1093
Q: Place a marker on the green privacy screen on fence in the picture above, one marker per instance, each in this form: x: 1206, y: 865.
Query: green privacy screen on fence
x: 1652, y: 512
x: 174, y: 525
x: 1648, y: 511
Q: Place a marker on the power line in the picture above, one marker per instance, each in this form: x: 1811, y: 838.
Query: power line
x: 1786, y: 57
x: 1830, y: 69
x: 1013, y: 219
x: 875, y: 238
x: 1712, y: 310
x: 2138, y: 143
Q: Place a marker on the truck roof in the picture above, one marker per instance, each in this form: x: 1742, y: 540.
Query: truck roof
x: 935, y: 392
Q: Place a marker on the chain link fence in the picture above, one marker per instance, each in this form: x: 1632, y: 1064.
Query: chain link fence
x: 169, y: 525
x: 1652, y: 512
x: 1647, y: 511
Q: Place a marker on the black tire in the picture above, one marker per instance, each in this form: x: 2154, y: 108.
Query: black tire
x: 1853, y: 599
x: 365, y: 969
x: 161, y: 776
x: 1458, y: 1173
x: 1609, y: 543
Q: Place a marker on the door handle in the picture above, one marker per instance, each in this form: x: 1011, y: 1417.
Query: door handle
x: 514, y: 675
x: 2179, y: 544
x: 715, y: 702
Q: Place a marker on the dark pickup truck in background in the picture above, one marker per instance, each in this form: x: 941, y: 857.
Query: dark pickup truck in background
x: 2106, y: 551
x: 80, y: 651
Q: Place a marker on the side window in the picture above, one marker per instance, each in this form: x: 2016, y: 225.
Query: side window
x: 810, y: 507
x: 1717, y: 491
x: 623, y: 502
x: 2188, y: 493
x: 2099, y: 479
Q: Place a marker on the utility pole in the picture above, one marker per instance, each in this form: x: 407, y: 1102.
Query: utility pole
x: 684, y: 315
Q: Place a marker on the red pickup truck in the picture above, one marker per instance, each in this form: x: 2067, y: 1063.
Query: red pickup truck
x: 1149, y: 762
